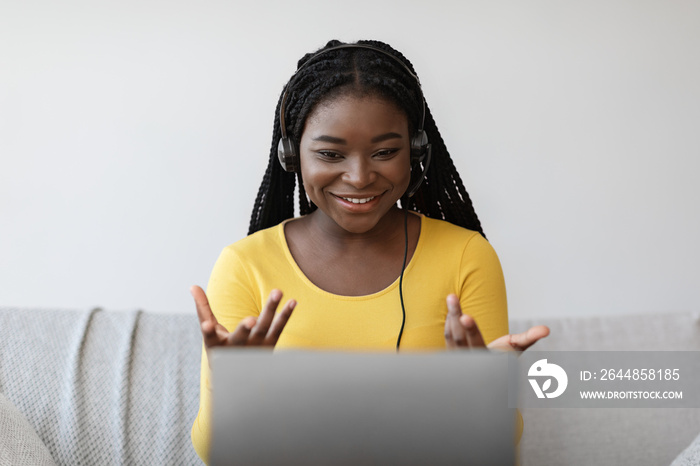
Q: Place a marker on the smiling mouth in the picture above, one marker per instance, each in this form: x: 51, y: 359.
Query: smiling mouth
x: 356, y: 200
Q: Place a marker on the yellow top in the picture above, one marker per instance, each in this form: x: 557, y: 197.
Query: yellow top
x: 448, y: 259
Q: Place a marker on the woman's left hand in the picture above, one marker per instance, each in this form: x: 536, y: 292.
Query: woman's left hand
x: 461, y: 331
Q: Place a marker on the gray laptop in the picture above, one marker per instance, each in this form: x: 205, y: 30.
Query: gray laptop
x: 361, y: 408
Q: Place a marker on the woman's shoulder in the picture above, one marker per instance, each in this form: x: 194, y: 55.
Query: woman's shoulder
x: 261, y: 242
x: 446, y: 230
x: 449, y: 240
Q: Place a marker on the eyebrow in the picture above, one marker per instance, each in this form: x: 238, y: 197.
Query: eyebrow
x: 335, y: 140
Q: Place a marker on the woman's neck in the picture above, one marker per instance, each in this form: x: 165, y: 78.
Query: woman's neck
x: 325, y: 231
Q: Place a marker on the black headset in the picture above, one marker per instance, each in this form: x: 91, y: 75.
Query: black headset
x: 420, y: 147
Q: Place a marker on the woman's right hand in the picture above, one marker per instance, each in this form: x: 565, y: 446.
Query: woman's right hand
x: 261, y: 331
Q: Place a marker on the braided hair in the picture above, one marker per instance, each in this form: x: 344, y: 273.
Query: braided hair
x: 359, y: 71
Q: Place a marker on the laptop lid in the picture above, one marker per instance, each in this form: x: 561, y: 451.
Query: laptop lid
x: 361, y: 408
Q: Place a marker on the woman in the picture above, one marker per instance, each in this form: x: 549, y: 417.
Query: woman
x: 353, y: 129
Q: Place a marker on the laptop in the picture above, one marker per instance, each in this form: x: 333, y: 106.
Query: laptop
x: 330, y: 408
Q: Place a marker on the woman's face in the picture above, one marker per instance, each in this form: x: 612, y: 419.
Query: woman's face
x: 355, y: 160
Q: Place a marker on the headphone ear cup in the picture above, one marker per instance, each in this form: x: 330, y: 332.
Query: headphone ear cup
x: 287, y: 155
x: 419, y: 154
x: 419, y: 144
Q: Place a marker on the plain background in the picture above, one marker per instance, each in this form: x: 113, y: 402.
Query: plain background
x: 134, y: 135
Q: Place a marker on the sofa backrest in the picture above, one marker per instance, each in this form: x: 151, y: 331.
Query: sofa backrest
x: 611, y: 435
x: 104, y: 387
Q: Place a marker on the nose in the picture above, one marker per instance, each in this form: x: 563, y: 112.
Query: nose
x: 359, y: 172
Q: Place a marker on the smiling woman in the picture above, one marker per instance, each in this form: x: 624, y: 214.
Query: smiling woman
x: 355, y: 162
x: 355, y: 132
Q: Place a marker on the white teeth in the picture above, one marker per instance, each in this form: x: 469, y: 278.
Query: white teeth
x: 358, y: 201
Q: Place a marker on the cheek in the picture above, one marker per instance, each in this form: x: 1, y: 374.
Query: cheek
x: 313, y: 178
x: 404, y: 173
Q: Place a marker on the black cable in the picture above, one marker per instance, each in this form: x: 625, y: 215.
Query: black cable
x: 403, y: 268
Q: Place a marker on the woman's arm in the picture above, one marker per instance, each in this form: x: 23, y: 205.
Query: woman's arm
x: 232, y: 303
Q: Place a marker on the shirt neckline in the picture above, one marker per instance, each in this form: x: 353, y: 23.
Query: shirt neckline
x: 316, y: 289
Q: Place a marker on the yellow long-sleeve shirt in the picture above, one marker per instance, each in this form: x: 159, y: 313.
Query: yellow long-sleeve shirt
x: 448, y: 259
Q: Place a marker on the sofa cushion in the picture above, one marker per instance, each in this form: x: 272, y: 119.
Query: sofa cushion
x: 104, y: 387
x: 19, y: 443
x: 690, y: 456
x: 611, y: 435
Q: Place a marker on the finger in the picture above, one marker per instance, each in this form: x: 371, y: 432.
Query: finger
x: 241, y: 335
x: 200, y: 300
x: 523, y: 341
x: 209, y: 334
x: 449, y: 342
x: 278, y: 324
x: 259, y: 331
x: 214, y: 334
x: 474, y: 336
x: 207, y: 321
x: 501, y: 344
x: 458, y: 334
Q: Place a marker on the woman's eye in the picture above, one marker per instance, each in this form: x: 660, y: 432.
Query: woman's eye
x: 329, y: 155
x: 386, y: 153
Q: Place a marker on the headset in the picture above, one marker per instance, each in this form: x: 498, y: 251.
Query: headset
x: 421, y: 149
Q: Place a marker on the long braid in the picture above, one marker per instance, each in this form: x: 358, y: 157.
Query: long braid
x: 361, y: 72
x: 275, y: 199
x: 443, y: 194
x: 305, y: 206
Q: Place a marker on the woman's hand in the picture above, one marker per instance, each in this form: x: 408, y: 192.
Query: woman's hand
x: 261, y: 331
x: 461, y: 331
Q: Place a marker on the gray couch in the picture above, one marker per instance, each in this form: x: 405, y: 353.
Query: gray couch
x: 613, y: 436
x: 105, y: 388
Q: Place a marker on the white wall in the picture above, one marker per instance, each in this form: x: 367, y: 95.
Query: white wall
x: 133, y: 136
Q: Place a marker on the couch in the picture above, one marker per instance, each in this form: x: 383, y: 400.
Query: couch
x: 614, y: 436
x: 99, y: 387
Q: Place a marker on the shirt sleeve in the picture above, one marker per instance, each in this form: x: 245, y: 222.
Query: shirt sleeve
x: 483, y: 289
